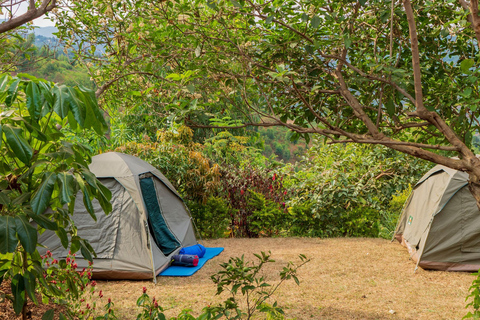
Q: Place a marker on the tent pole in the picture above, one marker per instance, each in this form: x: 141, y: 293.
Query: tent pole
x: 149, y: 246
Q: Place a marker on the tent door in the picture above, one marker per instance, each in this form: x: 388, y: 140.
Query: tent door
x: 162, y: 235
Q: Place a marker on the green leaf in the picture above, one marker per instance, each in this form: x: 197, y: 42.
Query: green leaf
x: 18, y: 291
x: 467, y: 92
x: 18, y: 144
x: 362, y: 2
x: 269, y: 20
x: 66, y: 184
x: 4, y: 199
x: 41, y: 198
x: 309, y: 49
x: 212, y: 5
x: 21, y: 199
x: 30, y: 284
x: 85, y: 252
x: 348, y: 42
x: 44, y: 222
x: 191, y: 88
x: 48, y: 315
x: 236, y: 4
x: 466, y: 64
x: 34, y: 100
x: 61, y: 104
x: 8, y: 240
x: 76, y: 106
x: 26, y: 233
x: 315, y: 22
x: 12, y: 93
x: 75, y: 244
x: 62, y: 234
x: 86, y: 196
x: 390, y: 106
x: 33, y: 128
x: 468, y: 138
x: 104, y: 195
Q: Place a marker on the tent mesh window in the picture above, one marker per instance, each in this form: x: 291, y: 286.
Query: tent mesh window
x: 162, y: 235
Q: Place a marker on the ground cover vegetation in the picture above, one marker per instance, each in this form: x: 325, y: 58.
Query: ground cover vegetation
x: 349, y: 71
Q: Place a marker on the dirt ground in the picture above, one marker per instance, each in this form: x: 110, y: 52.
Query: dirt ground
x: 346, y: 279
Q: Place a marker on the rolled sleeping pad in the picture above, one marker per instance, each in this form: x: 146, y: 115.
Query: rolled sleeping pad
x: 184, y: 260
x: 197, y: 249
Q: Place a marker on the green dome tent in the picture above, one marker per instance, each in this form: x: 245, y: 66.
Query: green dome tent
x: 440, y: 223
x: 148, y: 224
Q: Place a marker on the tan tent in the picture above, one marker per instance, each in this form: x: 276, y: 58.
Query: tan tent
x: 149, y: 221
x: 440, y: 223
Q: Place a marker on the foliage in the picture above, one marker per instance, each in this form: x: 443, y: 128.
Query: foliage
x: 352, y: 71
x: 360, y: 222
x: 243, y: 281
x: 474, y: 295
x: 59, y: 70
x: 181, y: 161
x: 226, y: 148
x: 40, y: 169
x: 15, y: 48
x: 149, y: 308
x: 211, y: 218
x: 74, y: 290
x: 278, y: 141
x: 267, y: 217
x: 238, y: 183
x: 340, y: 186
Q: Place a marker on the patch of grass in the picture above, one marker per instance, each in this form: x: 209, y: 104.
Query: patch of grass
x: 348, y: 278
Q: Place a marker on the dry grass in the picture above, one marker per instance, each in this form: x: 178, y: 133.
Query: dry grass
x: 347, y: 279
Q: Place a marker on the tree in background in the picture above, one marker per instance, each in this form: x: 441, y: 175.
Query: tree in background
x: 351, y: 71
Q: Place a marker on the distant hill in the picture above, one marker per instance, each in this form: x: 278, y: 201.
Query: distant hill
x: 47, y: 32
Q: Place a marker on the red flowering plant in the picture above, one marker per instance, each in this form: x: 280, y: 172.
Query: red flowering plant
x: 254, y: 194
x: 72, y: 289
x: 150, y: 309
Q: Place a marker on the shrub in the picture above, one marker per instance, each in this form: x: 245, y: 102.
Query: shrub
x: 390, y: 216
x: 238, y: 183
x: 360, y: 222
x: 181, y: 161
x: 343, y: 184
x: 242, y: 280
x: 39, y: 169
x: 267, y: 217
x: 212, y: 218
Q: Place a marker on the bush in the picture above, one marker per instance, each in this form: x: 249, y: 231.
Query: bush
x: 182, y: 162
x: 238, y: 183
x: 267, y: 217
x: 360, y: 222
x: 345, y: 190
x: 212, y: 218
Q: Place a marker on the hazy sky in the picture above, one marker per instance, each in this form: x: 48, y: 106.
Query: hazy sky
x: 42, y: 22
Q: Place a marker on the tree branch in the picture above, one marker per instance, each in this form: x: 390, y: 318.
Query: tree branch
x: 417, y: 76
x: 473, y: 17
x: 32, y: 14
